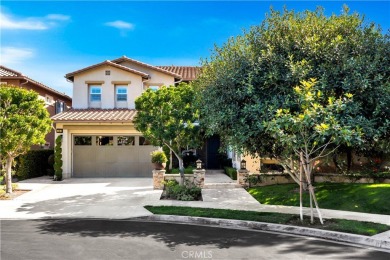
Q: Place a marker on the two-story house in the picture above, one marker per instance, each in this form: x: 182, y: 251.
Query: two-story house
x: 99, y: 137
x: 55, y: 101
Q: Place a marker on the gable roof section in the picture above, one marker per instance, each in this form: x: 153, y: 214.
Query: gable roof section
x: 96, y: 115
x: 71, y: 75
x: 124, y: 58
x: 7, y: 73
x: 188, y: 73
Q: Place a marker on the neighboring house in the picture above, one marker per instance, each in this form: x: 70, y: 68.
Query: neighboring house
x: 99, y: 137
x: 56, y: 102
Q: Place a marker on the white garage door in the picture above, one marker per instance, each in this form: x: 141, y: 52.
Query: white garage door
x: 111, y: 156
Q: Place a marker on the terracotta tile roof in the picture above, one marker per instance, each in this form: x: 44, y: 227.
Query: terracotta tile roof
x: 70, y: 76
x: 124, y: 58
x: 188, y: 73
x: 7, y: 73
x: 96, y: 115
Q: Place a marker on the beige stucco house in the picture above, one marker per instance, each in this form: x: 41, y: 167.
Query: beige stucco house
x: 98, y: 134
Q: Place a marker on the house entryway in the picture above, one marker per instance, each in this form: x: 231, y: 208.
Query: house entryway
x: 213, y: 145
x: 217, y: 179
x: 111, y: 156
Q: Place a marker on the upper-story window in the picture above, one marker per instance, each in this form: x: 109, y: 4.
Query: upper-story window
x: 121, y: 93
x: 48, y: 100
x: 154, y: 88
x: 95, y: 93
x: 59, y: 106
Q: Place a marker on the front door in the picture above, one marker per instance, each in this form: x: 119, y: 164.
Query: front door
x: 213, y: 145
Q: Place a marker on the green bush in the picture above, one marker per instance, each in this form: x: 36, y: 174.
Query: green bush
x: 231, y: 172
x: 181, y: 192
x: 33, y: 164
x: 58, y: 159
x: 188, y: 170
x: 159, y: 157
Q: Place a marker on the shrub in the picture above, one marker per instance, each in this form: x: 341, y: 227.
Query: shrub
x: 50, y: 162
x: 159, y: 157
x: 32, y: 164
x: 58, y: 159
x: 188, y: 170
x: 231, y: 172
x: 181, y: 192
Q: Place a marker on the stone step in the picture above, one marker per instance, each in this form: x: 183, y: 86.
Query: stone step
x: 221, y: 186
x: 215, y: 171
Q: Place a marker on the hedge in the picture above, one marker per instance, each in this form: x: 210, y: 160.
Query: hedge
x: 33, y: 164
x: 231, y: 172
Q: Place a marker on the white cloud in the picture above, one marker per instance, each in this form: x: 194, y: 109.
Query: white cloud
x: 12, y: 55
x: 30, y: 23
x: 120, y: 25
x: 58, y: 17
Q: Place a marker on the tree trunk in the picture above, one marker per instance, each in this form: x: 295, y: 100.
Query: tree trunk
x: 307, y: 168
x: 181, y: 168
x: 8, y: 174
x: 300, y: 187
x: 311, y: 209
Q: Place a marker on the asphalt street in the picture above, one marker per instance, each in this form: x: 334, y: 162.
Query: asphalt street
x: 128, y: 239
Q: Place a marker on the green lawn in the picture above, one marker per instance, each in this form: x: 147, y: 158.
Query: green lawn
x: 369, y: 198
x: 349, y: 226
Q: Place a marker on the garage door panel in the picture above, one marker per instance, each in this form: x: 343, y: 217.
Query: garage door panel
x: 112, y: 161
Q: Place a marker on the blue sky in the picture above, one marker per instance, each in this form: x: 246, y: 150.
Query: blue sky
x: 47, y: 39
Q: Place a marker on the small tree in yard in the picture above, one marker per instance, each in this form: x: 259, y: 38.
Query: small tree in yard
x: 167, y: 116
x: 24, y: 121
x: 312, y: 128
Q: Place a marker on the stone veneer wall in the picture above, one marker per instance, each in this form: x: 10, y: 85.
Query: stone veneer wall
x: 159, y: 176
x: 272, y: 179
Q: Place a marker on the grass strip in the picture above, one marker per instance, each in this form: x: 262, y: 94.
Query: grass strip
x: 369, y: 198
x: 341, y: 225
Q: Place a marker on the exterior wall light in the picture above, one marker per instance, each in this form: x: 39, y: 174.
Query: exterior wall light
x: 243, y: 165
x: 198, y: 164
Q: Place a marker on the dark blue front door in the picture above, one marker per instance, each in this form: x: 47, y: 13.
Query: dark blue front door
x: 213, y: 144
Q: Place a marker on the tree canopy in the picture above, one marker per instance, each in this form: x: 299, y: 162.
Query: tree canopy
x: 250, y: 77
x: 24, y: 121
x: 166, y: 117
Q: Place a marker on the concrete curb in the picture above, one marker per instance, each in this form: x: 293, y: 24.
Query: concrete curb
x: 252, y: 225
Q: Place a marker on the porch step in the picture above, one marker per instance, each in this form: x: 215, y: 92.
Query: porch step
x: 221, y: 186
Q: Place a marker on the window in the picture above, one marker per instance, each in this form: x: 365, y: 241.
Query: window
x: 83, y: 140
x: 95, y: 93
x: 121, y: 93
x: 126, y: 140
x: 154, y: 88
x: 49, y: 100
x: 60, y: 106
x: 108, y: 72
x: 104, y: 140
x: 143, y: 141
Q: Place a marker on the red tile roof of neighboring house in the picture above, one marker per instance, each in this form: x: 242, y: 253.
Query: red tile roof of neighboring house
x: 96, y: 115
x: 70, y: 76
x: 124, y: 58
x: 7, y: 73
x: 188, y: 73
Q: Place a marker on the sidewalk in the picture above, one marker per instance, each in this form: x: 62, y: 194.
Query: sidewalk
x: 126, y: 197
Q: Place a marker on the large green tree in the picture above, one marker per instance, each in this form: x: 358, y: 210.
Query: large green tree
x: 168, y: 117
x: 249, y: 77
x: 306, y: 131
x: 24, y: 121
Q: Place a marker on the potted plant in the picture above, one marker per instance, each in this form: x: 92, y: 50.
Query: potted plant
x: 159, y: 160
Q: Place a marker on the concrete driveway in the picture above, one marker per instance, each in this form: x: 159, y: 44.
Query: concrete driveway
x: 113, y: 198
